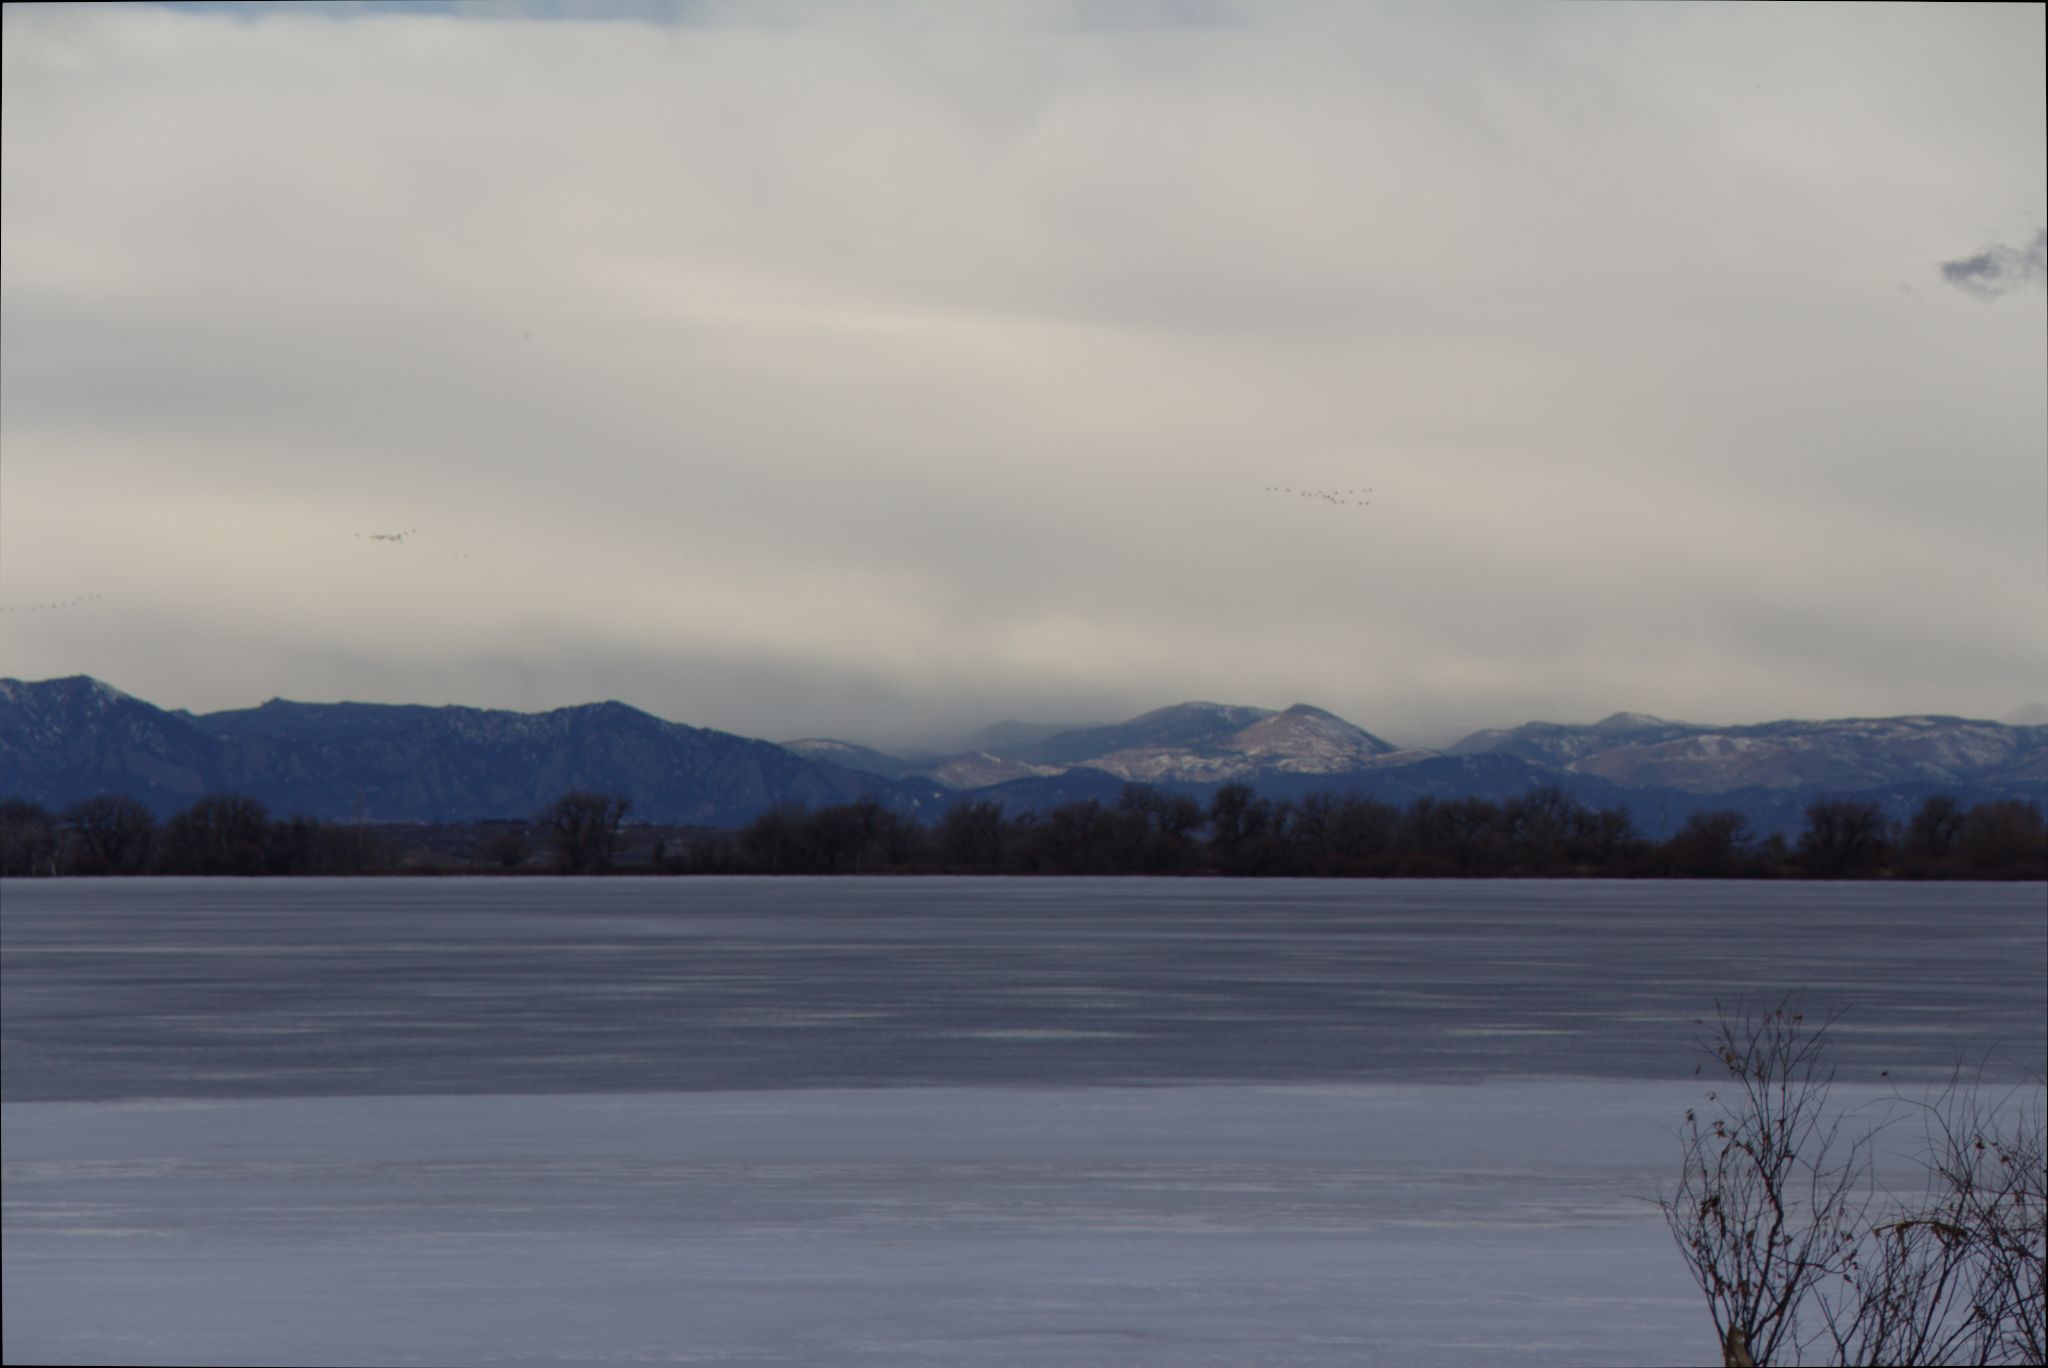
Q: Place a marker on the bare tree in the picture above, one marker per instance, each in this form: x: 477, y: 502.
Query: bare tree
x: 28, y: 839
x: 1844, y: 838
x: 1710, y: 845
x: 971, y: 834
x: 1935, y: 827
x: 114, y: 834
x: 222, y: 833
x: 584, y: 827
x: 2004, y: 839
x: 1801, y: 1253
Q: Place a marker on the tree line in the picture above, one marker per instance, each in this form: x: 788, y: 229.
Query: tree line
x: 113, y: 834
x: 223, y: 833
x: 1543, y: 833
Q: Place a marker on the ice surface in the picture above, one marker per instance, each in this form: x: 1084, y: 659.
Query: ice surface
x: 915, y: 1122
x: 120, y: 988
x: 1410, y: 1224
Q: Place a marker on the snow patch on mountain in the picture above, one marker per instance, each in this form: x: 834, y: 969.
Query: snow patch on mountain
x: 979, y: 769
x: 1307, y: 740
x: 1849, y: 753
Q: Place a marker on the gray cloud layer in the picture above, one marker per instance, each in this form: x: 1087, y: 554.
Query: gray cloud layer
x: 872, y: 371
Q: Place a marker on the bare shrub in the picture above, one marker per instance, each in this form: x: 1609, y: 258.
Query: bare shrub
x: 1802, y: 1253
x: 1954, y: 1275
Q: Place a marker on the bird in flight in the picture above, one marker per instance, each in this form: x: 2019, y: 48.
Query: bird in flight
x: 398, y: 537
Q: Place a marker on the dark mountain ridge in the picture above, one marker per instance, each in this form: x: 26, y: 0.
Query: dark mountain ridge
x: 66, y: 739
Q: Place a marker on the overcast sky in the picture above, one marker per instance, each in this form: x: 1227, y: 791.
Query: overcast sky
x: 873, y: 370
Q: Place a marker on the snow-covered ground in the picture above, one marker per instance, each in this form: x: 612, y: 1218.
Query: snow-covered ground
x: 1381, y: 1223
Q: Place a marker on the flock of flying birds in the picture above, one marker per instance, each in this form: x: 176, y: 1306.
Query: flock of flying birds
x: 49, y: 607
x: 1338, y: 497
x: 398, y: 539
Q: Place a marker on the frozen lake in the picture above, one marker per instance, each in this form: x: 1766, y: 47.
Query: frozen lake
x: 914, y: 1121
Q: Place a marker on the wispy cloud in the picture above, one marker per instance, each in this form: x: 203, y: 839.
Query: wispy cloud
x: 1999, y: 269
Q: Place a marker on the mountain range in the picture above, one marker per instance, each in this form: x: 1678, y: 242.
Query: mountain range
x: 66, y: 739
